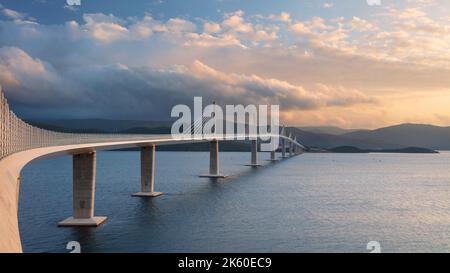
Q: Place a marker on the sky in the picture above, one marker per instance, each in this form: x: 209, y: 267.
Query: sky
x: 326, y: 63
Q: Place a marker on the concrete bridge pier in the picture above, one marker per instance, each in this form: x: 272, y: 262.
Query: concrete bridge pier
x: 84, y: 166
x: 272, y: 156
x: 283, y: 148
x: 293, y: 146
x: 290, y: 145
x: 254, y: 154
x: 147, y: 173
x: 296, y: 149
x: 214, y: 170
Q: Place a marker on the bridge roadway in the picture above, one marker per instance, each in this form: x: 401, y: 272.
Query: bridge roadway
x: 84, y: 175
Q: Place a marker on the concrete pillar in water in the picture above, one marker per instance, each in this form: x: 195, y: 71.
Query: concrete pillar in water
x: 272, y: 156
x: 254, y: 154
x: 84, y: 166
x: 297, y: 150
x: 148, y: 172
x: 214, y: 157
x: 283, y: 148
x: 296, y: 147
x: 214, y: 170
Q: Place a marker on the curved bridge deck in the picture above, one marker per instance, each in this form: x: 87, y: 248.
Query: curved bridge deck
x: 11, y: 166
x: 22, y: 143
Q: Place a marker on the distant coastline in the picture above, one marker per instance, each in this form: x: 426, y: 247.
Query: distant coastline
x: 408, y: 150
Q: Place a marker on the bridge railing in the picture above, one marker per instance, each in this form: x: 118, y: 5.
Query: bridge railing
x: 17, y: 135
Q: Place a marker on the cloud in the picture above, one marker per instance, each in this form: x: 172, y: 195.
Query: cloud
x: 208, y: 40
x: 285, y: 17
x: 13, y: 14
x: 211, y: 27
x: 359, y: 24
x: 235, y: 22
x: 180, y: 25
x: 120, y: 91
x: 30, y: 81
x: 253, y: 88
x: 16, y: 16
x: 104, y: 28
x: 282, y: 17
x: 325, y: 69
x: 413, y: 12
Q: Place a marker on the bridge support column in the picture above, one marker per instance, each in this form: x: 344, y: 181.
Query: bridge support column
x: 147, y: 173
x: 214, y: 170
x: 291, y: 146
x: 283, y: 148
x: 273, y: 156
x: 254, y: 152
x: 83, y: 192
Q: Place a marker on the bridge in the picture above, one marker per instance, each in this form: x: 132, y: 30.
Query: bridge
x: 22, y: 143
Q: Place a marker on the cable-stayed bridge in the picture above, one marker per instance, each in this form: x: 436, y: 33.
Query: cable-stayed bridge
x: 22, y: 143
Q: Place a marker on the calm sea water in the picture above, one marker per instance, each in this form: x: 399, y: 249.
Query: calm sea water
x: 309, y: 203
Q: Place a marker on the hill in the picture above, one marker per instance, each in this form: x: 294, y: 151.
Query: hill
x: 327, y: 141
x: 407, y: 135
x: 408, y: 150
